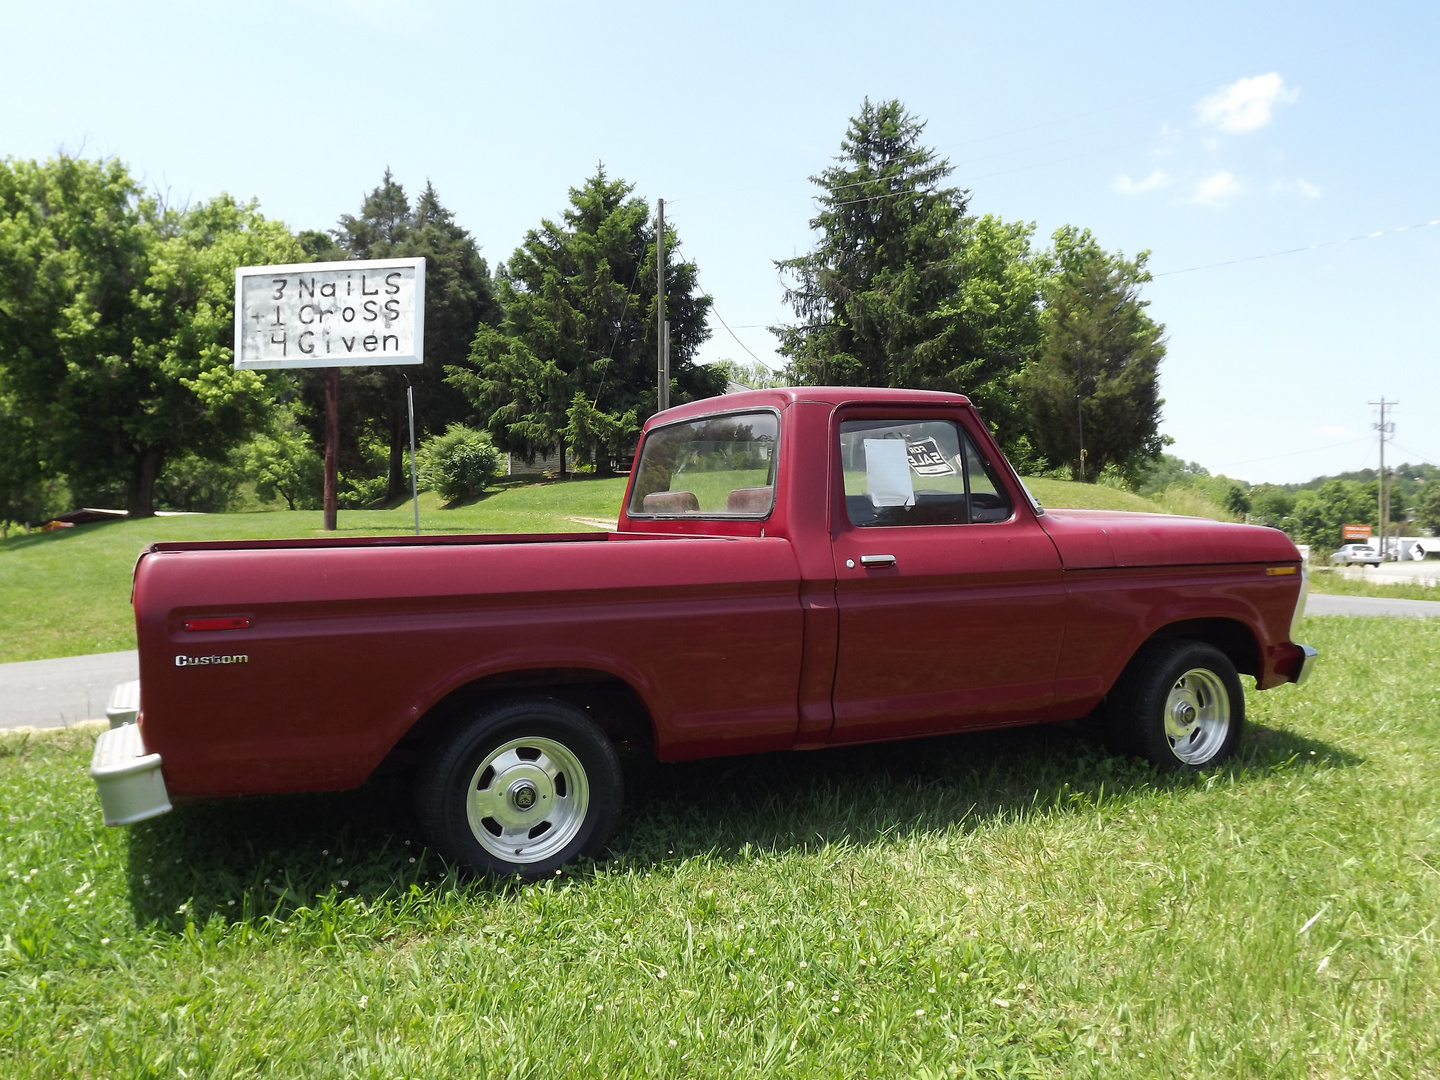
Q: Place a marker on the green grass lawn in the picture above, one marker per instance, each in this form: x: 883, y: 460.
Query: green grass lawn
x: 1066, y: 494
x: 67, y: 593
x: 996, y: 905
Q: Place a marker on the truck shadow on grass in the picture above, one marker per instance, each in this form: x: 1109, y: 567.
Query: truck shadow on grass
x: 261, y: 860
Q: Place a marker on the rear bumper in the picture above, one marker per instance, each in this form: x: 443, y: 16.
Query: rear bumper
x: 124, y: 704
x: 127, y: 778
x: 1301, y: 670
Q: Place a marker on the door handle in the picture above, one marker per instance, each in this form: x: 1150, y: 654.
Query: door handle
x: 877, y: 560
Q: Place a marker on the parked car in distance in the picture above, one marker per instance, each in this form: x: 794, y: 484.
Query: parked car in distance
x: 793, y: 569
x: 1352, y: 554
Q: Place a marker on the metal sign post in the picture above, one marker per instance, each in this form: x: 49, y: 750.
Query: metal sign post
x: 332, y: 315
x: 414, y: 486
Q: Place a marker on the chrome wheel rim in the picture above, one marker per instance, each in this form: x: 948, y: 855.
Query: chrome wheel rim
x: 527, y: 800
x: 1197, y: 716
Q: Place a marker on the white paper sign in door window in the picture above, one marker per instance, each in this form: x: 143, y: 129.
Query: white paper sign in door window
x: 887, y: 473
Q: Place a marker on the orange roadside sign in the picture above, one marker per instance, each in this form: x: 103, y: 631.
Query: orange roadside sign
x: 1355, y: 532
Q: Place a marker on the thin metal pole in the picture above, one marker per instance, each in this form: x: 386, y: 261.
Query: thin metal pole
x: 1079, y: 408
x: 332, y: 447
x: 414, y: 486
x: 1384, y: 503
x: 662, y: 359
x: 1383, y: 477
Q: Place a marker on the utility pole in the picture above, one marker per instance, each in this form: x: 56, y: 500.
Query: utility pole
x: 1079, y: 408
x: 662, y: 327
x: 1384, y: 429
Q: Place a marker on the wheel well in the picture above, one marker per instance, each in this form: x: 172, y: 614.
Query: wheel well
x: 1230, y: 636
x: 610, y: 701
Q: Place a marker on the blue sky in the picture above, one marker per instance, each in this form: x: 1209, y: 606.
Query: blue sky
x: 1203, y: 132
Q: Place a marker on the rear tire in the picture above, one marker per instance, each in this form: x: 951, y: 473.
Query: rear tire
x: 1178, y: 704
x: 521, y: 786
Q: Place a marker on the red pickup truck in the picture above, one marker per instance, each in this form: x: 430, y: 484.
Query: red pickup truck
x: 793, y: 569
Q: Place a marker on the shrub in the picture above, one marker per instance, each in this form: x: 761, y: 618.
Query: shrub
x: 458, y: 464
x: 195, y: 484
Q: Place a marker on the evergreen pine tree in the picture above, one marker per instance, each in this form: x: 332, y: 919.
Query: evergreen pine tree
x: 1099, y: 361
x: 459, y: 297
x: 573, y: 364
x: 903, y: 288
x: 873, y: 297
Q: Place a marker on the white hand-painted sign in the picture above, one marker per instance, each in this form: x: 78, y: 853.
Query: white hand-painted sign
x: 339, y: 314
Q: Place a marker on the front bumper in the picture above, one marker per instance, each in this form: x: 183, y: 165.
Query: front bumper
x: 127, y: 778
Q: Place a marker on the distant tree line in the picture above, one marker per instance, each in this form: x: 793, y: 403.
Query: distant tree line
x: 1313, y: 512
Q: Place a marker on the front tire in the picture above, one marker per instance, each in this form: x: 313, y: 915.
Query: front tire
x: 521, y: 786
x: 1179, y: 704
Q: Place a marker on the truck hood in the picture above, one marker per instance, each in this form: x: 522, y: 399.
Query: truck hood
x: 1093, y: 539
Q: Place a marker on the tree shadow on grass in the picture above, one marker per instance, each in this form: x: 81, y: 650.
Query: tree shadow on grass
x: 249, y: 859
x: 19, y: 541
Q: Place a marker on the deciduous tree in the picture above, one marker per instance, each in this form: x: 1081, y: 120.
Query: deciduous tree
x: 1427, y: 509
x: 116, y: 320
x: 1318, y: 515
x: 26, y: 485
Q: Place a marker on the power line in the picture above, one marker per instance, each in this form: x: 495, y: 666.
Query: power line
x: 711, y: 298
x: 1424, y: 459
x: 1297, y: 250
x: 732, y: 332
x: 1294, y: 453
x: 619, y: 325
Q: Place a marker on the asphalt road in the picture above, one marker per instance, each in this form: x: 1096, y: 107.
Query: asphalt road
x: 1322, y: 604
x: 55, y: 693
x: 1408, y: 572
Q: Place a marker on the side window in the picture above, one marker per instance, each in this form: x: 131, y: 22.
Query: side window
x: 917, y: 472
x: 988, y: 502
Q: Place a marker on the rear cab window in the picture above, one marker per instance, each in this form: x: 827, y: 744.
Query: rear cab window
x: 715, y: 467
x: 917, y: 472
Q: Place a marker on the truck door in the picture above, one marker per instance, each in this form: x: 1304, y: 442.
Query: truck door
x: 951, y: 605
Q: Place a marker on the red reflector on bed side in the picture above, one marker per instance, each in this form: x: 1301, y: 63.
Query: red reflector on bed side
x: 223, y: 622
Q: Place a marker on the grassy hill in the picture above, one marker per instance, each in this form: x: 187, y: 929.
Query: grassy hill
x: 66, y: 593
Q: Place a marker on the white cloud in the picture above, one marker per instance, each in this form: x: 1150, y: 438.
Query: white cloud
x: 1336, y: 432
x: 1246, y: 104
x: 1157, y: 179
x: 1303, y: 188
x: 1220, y: 188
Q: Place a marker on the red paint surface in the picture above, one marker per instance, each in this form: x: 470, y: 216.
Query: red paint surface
x: 737, y: 636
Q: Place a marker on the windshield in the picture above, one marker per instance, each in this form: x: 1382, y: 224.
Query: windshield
x: 721, y: 466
